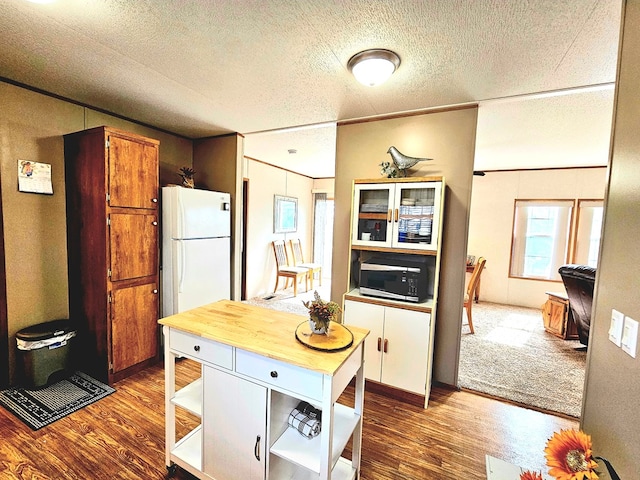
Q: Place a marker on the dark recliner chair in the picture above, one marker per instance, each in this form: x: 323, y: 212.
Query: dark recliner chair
x: 579, y: 281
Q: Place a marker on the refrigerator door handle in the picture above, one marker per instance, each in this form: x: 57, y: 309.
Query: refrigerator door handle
x: 182, y: 265
x: 181, y: 217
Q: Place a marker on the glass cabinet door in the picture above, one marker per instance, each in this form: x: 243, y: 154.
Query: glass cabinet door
x: 416, y: 215
x: 397, y: 215
x: 372, y: 210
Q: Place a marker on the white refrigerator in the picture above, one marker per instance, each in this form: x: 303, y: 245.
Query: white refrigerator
x: 196, y: 248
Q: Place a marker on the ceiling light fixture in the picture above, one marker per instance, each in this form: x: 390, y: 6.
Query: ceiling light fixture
x: 373, y: 67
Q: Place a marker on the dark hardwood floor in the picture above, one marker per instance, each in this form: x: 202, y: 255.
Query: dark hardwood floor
x: 122, y: 436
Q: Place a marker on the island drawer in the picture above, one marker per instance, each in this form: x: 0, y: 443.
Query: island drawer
x: 204, y: 350
x: 280, y: 374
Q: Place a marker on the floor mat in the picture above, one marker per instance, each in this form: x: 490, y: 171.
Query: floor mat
x: 40, y: 407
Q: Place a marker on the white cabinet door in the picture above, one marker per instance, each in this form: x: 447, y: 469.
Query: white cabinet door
x: 367, y: 315
x: 406, y: 349
x: 397, y: 349
x: 234, y: 420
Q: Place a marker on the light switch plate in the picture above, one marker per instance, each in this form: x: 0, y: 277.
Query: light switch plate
x: 615, y: 329
x: 630, y: 336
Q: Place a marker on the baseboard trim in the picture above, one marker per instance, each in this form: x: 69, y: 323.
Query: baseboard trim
x: 519, y: 404
x: 395, y: 393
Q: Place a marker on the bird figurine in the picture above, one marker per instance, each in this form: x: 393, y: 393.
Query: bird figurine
x: 402, y: 162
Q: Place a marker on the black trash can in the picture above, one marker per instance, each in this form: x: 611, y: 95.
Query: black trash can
x: 44, y: 352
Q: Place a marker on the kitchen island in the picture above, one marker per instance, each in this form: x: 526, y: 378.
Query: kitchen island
x: 254, y: 374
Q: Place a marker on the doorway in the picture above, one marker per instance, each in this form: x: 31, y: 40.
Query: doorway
x: 508, y: 321
x: 323, y: 211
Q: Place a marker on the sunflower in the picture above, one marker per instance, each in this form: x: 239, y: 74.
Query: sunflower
x: 568, y: 455
x: 528, y: 475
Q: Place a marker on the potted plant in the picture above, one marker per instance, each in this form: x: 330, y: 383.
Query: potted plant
x: 321, y: 313
x: 187, y: 177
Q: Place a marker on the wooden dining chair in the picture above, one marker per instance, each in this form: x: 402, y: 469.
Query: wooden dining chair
x: 286, y: 270
x: 298, y: 261
x: 471, y: 289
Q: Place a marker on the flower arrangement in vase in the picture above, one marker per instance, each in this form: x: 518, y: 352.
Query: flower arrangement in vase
x: 187, y: 177
x: 321, y: 313
x: 569, y: 457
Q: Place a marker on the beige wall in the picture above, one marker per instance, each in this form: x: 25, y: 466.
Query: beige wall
x: 218, y: 162
x: 31, y: 128
x: 491, y: 224
x: 324, y: 185
x: 266, y: 181
x: 612, y: 389
x: 449, y: 138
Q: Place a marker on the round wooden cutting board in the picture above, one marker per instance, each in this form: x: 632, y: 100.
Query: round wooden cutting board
x: 338, y: 338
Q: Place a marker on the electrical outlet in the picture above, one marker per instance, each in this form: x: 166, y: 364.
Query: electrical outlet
x: 615, y: 329
x: 630, y: 336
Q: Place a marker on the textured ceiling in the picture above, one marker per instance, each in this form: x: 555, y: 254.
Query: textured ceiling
x: 202, y: 68
x: 565, y: 130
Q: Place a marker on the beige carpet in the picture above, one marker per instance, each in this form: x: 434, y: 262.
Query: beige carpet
x: 511, y: 356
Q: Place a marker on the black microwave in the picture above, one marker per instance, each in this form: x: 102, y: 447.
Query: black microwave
x: 395, y: 278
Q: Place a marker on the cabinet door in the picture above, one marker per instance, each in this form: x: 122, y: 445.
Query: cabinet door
x: 406, y: 349
x: 416, y: 215
x: 234, y: 420
x: 134, y: 245
x: 134, y: 327
x: 546, y: 314
x: 133, y: 173
x: 367, y: 315
x: 555, y: 314
x: 371, y: 218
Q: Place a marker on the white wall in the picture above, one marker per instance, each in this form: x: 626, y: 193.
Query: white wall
x: 491, y: 222
x: 265, y: 181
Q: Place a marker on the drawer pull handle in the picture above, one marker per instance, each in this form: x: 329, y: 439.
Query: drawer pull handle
x: 196, y: 348
x: 379, y: 343
x: 256, y: 448
x: 154, y: 200
x: 386, y: 344
x: 155, y: 290
x: 274, y: 374
x: 154, y: 223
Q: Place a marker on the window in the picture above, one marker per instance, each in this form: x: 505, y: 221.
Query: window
x: 540, y: 238
x: 543, y: 237
x: 589, y: 226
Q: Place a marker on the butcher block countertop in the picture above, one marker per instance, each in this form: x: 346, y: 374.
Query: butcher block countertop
x: 260, y: 330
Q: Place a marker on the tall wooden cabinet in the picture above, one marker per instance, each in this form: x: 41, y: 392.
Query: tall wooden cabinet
x: 112, y: 246
x: 398, y: 219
